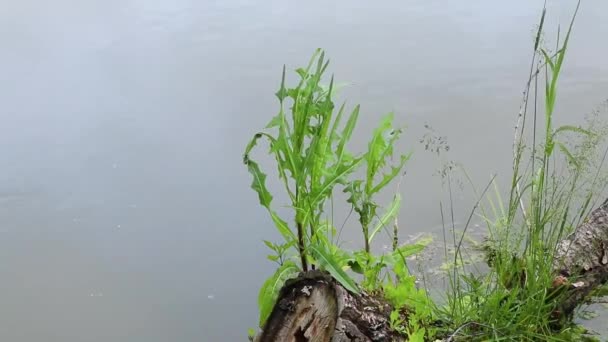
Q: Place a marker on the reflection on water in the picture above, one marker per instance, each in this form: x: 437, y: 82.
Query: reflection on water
x: 128, y: 215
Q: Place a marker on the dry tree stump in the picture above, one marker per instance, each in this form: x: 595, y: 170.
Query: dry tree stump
x: 314, y: 307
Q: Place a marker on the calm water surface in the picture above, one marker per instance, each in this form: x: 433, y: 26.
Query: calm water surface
x: 126, y: 212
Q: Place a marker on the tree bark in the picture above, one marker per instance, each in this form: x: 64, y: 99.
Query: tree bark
x: 314, y: 307
x: 582, y: 257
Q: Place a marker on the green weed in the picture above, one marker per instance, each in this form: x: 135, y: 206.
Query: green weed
x: 550, y: 192
x: 312, y: 159
x: 556, y: 178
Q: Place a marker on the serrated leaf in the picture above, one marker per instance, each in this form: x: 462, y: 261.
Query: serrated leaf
x: 380, y: 149
x: 327, y: 262
x: 321, y: 141
x: 259, y: 183
x: 377, y: 147
x: 387, y: 178
x: 354, y: 189
x: 347, y: 133
x: 337, y: 177
x: 270, y: 289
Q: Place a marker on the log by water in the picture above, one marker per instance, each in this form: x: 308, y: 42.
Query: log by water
x: 314, y: 307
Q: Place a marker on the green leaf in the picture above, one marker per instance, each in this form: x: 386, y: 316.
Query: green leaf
x: 251, y: 333
x: 354, y: 189
x: 270, y: 245
x: 569, y: 128
x: 335, y: 90
x: 282, y: 226
x: 347, y: 132
x: 380, y: 149
x: 568, y: 155
x: 355, y: 266
x: 392, y: 211
x: 270, y: 289
x: 417, y: 335
x: 334, y: 129
x: 335, y: 178
x: 394, y: 315
x: 547, y: 58
x: 275, y: 122
x: 303, y: 73
x: 327, y: 262
x: 259, y: 183
x: 282, y: 92
x: 395, y: 170
x: 321, y: 141
x: 377, y: 147
x: 408, y: 250
x: 402, y: 292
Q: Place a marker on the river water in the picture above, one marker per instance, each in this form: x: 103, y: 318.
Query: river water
x: 126, y: 210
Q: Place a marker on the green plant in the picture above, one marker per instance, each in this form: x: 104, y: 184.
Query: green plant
x: 280, y: 250
x: 554, y: 183
x: 310, y: 151
x: 362, y: 191
x: 401, y: 291
x: 270, y: 289
x: 374, y: 268
x: 309, y: 147
x: 515, y: 300
x: 396, y: 322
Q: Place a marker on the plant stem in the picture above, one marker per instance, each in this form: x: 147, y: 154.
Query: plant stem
x: 395, y: 235
x: 312, y: 236
x: 301, y: 246
x: 366, y: 237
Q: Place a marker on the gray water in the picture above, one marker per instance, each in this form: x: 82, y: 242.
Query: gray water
x: 126, y: 211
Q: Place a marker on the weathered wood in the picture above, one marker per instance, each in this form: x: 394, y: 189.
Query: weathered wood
x: 582, y: 257
x: 307, y: 310
x: 314, y: 307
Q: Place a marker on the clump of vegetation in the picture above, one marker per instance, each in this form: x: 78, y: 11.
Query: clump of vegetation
x: 554, y: 184
x: 313, y: 159
x: 556, y: 178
